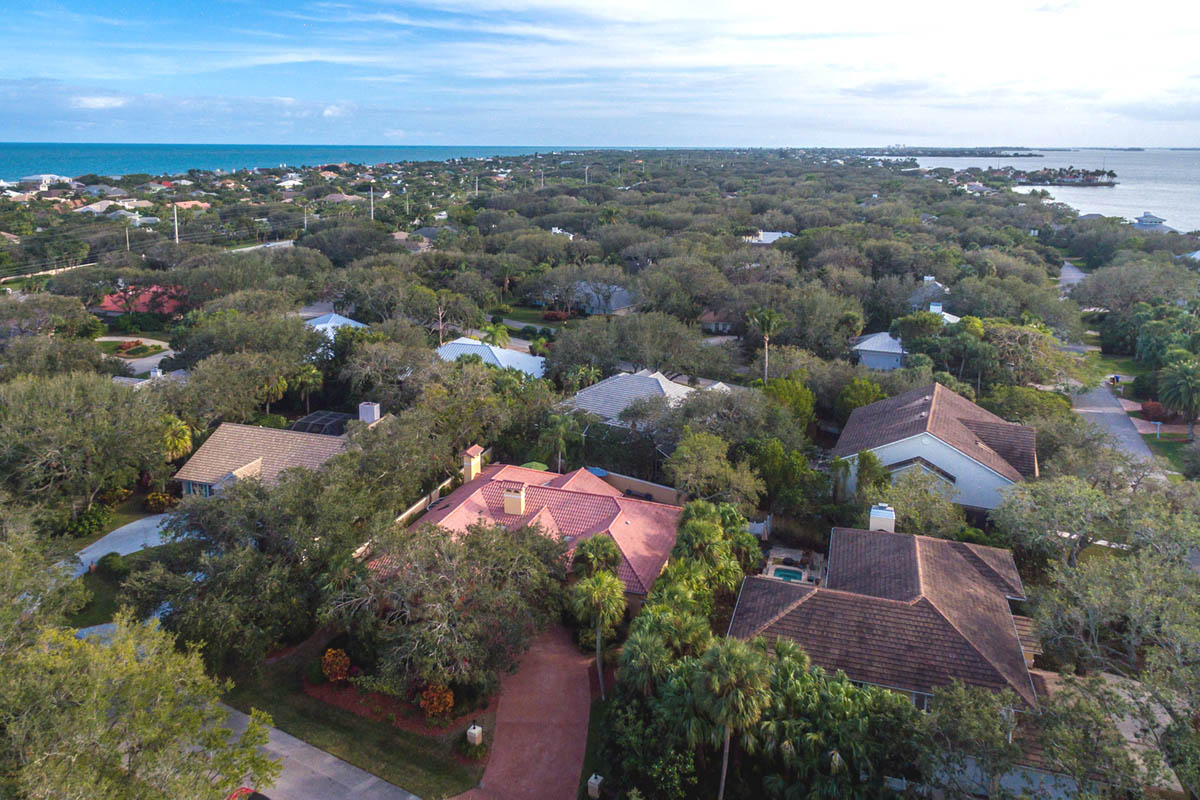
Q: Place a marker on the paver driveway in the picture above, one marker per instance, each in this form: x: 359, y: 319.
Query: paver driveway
x: 541, y: 725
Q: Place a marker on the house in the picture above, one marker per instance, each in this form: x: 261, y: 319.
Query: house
x: 235, y: 452
x: 193, y: 204
x: 947, y: 317
x: 152, y: 299
x: 178, y: 376
x: 929, y: 291
x: 765, y: 238
x: 1149, y: 222
x: 879, y: 351
x: 560, y: 232
x: 338, y: 197
x: 573, y: 507
x: 609, y: 397
x: 907, y: 613
x: 10, y: 238
x: 328, y: 324
x: 974, y: 452
x: 602, y: 300
x: 290, y: 183
x: 716, y: 322
x: 534, y: 366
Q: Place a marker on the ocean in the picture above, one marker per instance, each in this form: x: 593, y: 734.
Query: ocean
x: 1165, y: 182
x: 18, y: 159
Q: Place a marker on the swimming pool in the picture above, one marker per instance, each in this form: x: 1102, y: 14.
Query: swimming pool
x: 788, y: 574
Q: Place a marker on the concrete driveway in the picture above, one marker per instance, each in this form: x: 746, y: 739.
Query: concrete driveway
x: 1069, y: 276
x: 312, y: 774
x: 145, y: 532
x: 146, y: 363
x: 1101, y: 407
x: 541, y: 725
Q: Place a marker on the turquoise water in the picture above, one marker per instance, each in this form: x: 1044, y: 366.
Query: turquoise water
x: 790, y: 575
x: 18, y: 159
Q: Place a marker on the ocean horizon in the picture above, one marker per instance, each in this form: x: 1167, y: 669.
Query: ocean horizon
x: 19, y: 159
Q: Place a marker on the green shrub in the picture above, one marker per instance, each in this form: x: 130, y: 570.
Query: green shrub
x: 271, y: 420
x: 88, y: 522
x: 114, y: 497
x: 159, y: 502
x: 313, y: 672
x: 114, y: 565
x: 1145, y: 387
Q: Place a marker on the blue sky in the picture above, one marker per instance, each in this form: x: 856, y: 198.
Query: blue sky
x: 625, y: 72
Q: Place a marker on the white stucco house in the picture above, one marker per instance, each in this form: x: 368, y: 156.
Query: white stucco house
x: 976, y: 453
x: 500, y: 357
x: 880, y: 351
x: 328, y: 324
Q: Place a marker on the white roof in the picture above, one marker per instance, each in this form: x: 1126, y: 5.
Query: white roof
x: 608, y: 398
x: 495, y: 356
x: 329, y: 323
x: 882, y: 342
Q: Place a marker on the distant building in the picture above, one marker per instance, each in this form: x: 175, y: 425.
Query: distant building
x: 600, y: 299
x: 328, y: 324
x: 502, y: 357
x: 880, y: 351
x: 1149, y: 222
x: 929, y: 291
x: 609, y: 397
x: 717, y: 322
x: 765, y: 238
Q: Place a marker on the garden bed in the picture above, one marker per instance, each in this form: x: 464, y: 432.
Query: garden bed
x: 392, y: 710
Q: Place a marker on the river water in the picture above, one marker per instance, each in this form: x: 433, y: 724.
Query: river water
x: 1165, y: 182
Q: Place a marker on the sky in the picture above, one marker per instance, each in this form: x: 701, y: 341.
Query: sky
x: 615, y: 73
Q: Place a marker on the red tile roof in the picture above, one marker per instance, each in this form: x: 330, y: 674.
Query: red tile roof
x: 1005, y: 447
x: 155, y: 299
x: 907, y: 612
x: 577, y: 506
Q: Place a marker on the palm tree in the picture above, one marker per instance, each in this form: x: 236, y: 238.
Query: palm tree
x: 767, y: 322
x: 597, y: 554
x: 560, y: 431
x: 272, y: 390
x: 496, y: 334
x: 177, y: 437
x: 645, y: 659
x: 732, y: 690
x: 1179, y: 390
x: 308, y: 379
x: 585, y: 375
x: 600, y: 600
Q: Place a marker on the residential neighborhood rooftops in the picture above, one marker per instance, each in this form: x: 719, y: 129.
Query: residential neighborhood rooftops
x: 882, y: 342
x: 1005, y: 447
x: 609, y: 397
x: 329, y: 323
x: 233, y: 447
x: 901, y: 611
x: 495, y: 356
x: 574, y: 506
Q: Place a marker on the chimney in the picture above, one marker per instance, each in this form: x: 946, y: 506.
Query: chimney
x: 471, y: 459
x: 883, y: 518
x: 935, y: 308
x: 514, y: 500
x: 929, y: 278
x: 368, y: 412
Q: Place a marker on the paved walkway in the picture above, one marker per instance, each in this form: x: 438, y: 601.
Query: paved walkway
x: 139, y: 535
x: 541, y: 725
x: 312, y: 774
x: 1069, y: 275
x: 1101, y: 407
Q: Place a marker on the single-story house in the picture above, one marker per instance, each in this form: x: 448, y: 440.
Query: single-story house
x: 1150, y: 222
x: 152, y: 299
x: 573, y: 507
x: 609, y: 397
x: 604, y: 300
x: 234, y: 452
x: 930, y: 290
x: 718, y: 322
x: 329, y: 323
x: 502, y: 357
x: 765, y: 238
x: 880, y: 351
x: 974, y: 452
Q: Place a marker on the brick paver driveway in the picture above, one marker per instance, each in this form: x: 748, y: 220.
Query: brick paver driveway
x: 541, y: 725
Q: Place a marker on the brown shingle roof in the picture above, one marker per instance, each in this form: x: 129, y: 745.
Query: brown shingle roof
x: 908, y: 612
x: 234, y: 448
x: 1005, y: 447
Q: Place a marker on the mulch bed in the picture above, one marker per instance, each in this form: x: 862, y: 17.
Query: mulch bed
x: 385, y: 708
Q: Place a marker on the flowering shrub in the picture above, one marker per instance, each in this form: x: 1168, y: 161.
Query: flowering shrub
x: 556, y: 316
x: 158, y: 502
x: 114, y: 497
x: 436, y: 700
x: 125, y: 346
x: 336, y: 665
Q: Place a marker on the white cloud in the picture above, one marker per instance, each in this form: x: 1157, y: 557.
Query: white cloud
x: 332, y: 111
x: 97, y: 101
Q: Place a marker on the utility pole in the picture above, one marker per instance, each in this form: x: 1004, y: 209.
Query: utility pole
x: 477, y: 186
x: 305, y: 207
x: 543, y: 174
x: 126, y: 238
x: 586, y: 167
x: 175, y: 213
x: 372, y: 203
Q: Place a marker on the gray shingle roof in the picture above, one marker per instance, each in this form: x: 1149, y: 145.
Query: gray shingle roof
x: 495, y: 356
x: 608, y: 398
x: 234, y: 447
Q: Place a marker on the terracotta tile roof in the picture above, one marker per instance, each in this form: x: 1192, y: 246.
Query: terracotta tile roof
x: 234, y: 449
x: 577, y: 506
x: 1005, y: 447
x: 908, y: 612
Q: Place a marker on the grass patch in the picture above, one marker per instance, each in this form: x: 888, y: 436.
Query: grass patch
x: 102, y: 606
x: 1169, y: 448
x: 593, y: 758
x: 423, y: 765
x: 1098, y: 366
x: 136, y: 352
x: 528, y: 316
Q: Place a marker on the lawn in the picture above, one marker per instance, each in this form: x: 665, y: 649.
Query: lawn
x: 104, y: 589
x: 593, y: 761
x: 136, y: 352
x: 423, y: 765
x: 529, y: 316
x: 1169, y: 448
x: 1100, y: 365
